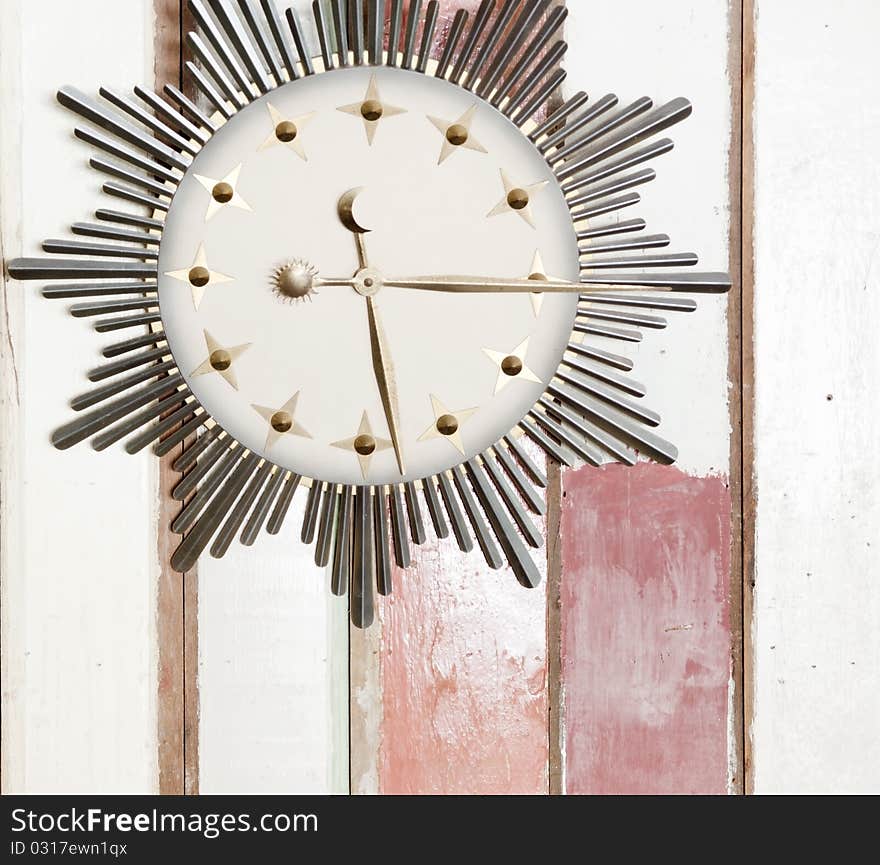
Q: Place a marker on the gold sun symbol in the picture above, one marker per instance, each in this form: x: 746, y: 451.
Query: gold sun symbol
x: 294, y: 281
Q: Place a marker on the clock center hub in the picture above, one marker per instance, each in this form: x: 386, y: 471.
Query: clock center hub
x: 368, y: 282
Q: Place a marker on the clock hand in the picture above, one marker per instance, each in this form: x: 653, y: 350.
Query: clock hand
x: 384, y: 371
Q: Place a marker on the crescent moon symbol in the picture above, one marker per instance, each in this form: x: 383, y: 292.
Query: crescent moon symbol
x: 345, y: 209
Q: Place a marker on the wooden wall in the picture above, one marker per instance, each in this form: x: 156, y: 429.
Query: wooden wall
x: 626, y: 671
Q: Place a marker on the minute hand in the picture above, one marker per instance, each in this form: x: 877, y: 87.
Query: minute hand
x: 715, y: 283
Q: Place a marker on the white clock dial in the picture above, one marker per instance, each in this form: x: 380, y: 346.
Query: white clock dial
x: 447, y: 186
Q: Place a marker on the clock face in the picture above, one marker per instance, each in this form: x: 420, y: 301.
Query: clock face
x: 444, y: 184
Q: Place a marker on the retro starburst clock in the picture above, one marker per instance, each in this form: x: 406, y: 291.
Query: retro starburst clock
x: 370, y: 275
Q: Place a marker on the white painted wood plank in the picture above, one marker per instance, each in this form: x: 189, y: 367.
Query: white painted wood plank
x: 78, y: 537
x: 817, y: 361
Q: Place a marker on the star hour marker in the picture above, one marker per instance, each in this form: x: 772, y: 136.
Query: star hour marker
x: 457, y: 134
x: 282, y: 421
x: 287, y: 131
x: 537, y: 273
x: 511, y: 365
x: 223, y: 192
x: 199, y: 276
x: 364, y: 444
x: 517, y: 199
x: 220, y: 359
x: 372, y: 109
x: 447, y: 424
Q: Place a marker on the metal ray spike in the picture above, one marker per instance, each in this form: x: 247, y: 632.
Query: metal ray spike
x: 614, y: 360
x: 621, y: 333
x: 71, y: 268
x: 620, y: 184
x: 658, y: 120
x: 524, y: 568
x: 150, y: 121
x: 550, y: 447
x: 644, y: 241
x: 528, y: 493
x: 339, y: 12
x: 326, y: 522
x: 148, y: 436
x: 87, y: 425
x: 481, y: 531
x: 651, y: 321
x: 99, y: 373
x: 323, y: 29
x: 478, y: 25
x: 130, y: 219
x: 537, y: 476
x: 625, y: 227
x: 102, y: 307
x: 282, y: 40
x: 208, y: 90
x: 302, y: 50
x: 187, y: 554
x: 528, y: 14
x: 429, y: 488
x: 383, y: 552
x: 310, y: 517
x: 190, y: 513
x: 428, y: 35
x: 282, y: 506
x: 92, y: 111
x: 97, y: 289
x: 342, y: 546
x: 257, y: 27
x: 362, y: 568
x: 114, y: 148
x: 610, y: 205
x: 590, y: 431
x: 414, y: 514
x: 218, y: 43
x: 375, y: 30
x: 623, y: 384
x: 452, y: 38
x: 485, y: 51
x: 559, y: 116
x: 119, y: 190
x: 138, y: 419
x: 109, y: 232
x: 171, y: 114
x: 106, y: 325
x: 572, y: 440
x: 241, y: 508
x: 101, y: 250
x: 644, y: 415
x: 671, y: 259
x: 356, y: 30
x: 398, y: 529
x: 536, y: 89
x: 186, y: 430
x: 712, y: 283
x: 394, y: 22
x: 190, y: 108
x: 673, y: 304
x: 511, y: 502
x: 191, y: 454
x: 99, y: 394
x: 230, y: 91
x: 212, y: 452
x: 533, y: 49
x: 609, y: 169
x: 255, y: 521
x: 575, y: 125
x: 454, y: 512
x: 414, y: 13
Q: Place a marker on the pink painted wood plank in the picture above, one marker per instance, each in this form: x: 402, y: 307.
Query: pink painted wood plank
x: 646, y: 641
x: 463, y: 671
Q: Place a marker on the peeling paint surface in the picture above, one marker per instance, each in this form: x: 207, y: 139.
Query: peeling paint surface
x: 645, y: 630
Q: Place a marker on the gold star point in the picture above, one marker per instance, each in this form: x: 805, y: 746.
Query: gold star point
x: 221, y: 359
x: 281, y: 421
x: 287, y: 131
x: 537, y: 273
x: 371, y: 109
x: 517, y: 199
x: 364, y: 444
x: 223, y: 191
x: 511, y: 366
x: 199, y: 276
x: 447, y: 424
x: 457, y: 134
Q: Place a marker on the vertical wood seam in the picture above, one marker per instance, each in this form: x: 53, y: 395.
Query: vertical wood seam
x: 555, y: 692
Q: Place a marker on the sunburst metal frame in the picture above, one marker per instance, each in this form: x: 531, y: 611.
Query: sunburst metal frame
x: 507, y: 54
